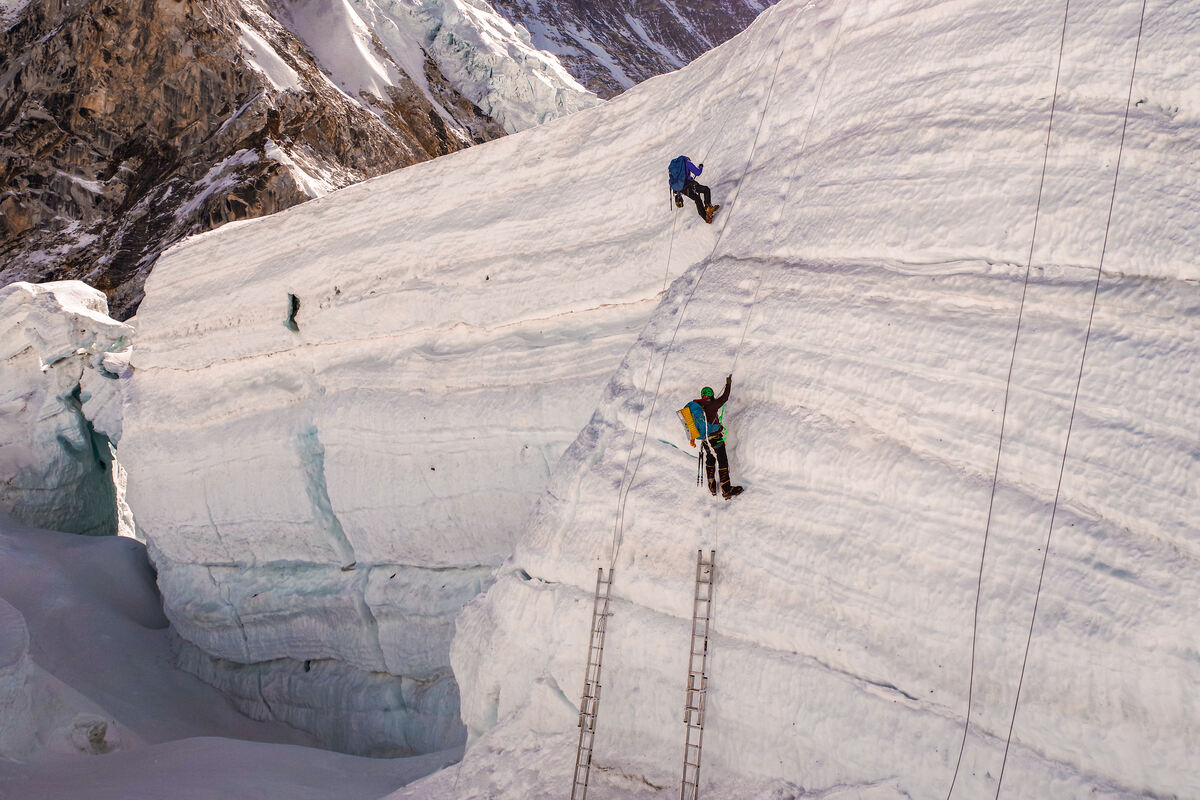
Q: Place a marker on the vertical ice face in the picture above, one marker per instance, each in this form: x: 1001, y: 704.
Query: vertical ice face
x: 62, y: 360
x: 342, y: 419
x: 865, y: 292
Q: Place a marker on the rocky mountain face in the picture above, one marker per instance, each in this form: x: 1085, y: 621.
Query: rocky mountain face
x: 126, y: 126
x: 610, y: 45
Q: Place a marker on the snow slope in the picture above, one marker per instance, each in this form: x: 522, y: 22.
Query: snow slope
x: 341, y: 416
x: 865, y: 291
x: 100, y: 649
x: 91, y: 706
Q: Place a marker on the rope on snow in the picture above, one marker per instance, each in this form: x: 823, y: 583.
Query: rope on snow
x: 1074, y: 401
x: 1004, y: 409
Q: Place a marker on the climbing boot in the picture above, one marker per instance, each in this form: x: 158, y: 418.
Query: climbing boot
x: 734, y: 491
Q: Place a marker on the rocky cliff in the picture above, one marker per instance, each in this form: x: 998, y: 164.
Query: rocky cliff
x: 126, y: 126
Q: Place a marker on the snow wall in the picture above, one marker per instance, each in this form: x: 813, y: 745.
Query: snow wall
x: 340, y: 419
x: 343, y: 414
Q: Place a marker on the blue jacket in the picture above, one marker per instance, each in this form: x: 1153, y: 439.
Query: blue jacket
x: 679, y: 178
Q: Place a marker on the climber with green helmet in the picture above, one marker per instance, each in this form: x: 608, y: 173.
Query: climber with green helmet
x: 714, y: 442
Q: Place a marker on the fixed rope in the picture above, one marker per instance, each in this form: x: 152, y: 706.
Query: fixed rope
x: 790, y: 182
x: 717, y: 519
x: 1004, y: 409
x: 1074, y: 401
x: 627, y: 484
x: 780, y: 211
x: 742, y: 87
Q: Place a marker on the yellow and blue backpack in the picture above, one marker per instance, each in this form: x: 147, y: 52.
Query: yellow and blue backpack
x: 695, y: 423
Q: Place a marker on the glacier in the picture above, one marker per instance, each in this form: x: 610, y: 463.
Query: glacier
x: 379, y: 444
x: 370, y: 46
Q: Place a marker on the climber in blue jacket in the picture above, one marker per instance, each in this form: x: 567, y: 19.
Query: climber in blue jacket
x: 681, y: 172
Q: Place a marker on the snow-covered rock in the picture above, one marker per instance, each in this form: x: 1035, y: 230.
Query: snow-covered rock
x: 223, y: 115
x: 368, y: 46
x: 611, y: 45
x: 62, y: 361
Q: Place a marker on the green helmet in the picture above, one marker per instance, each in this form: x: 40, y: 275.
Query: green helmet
x: 707, y: 392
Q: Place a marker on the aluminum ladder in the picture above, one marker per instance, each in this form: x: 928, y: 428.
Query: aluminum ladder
x: 696, y: 698
x: 589, y: 703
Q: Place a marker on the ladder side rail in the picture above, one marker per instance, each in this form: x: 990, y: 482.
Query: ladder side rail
x: 589, y: 702
x: 696, y: 694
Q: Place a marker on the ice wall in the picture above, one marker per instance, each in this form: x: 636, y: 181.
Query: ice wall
x: 865, y: 293
x: 61, y: 363
x: 347, y: 412
x: 341, y: 416
x: 365, y: 43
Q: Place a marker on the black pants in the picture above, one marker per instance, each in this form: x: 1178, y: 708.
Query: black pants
x: 698, y: 192
x: 717, y: 449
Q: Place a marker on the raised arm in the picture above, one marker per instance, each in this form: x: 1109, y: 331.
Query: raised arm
x: 725, y: 394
